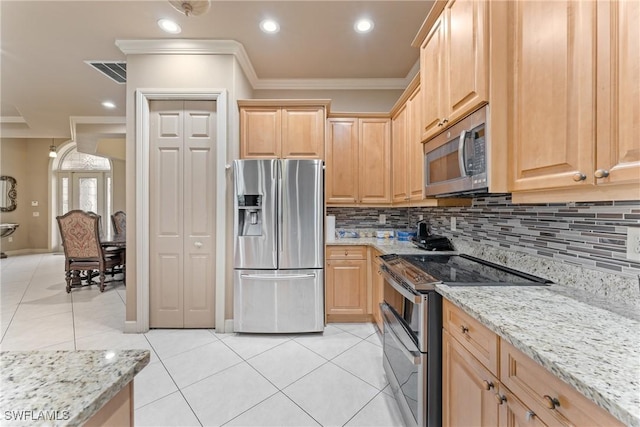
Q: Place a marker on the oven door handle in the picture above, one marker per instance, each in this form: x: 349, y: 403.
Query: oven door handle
x: 416, y: 299
x: 411, y: 355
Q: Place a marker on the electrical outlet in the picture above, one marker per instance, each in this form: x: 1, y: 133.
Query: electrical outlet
x: 10, y: 239
x: 420, y: 217
x: 382, y: 219
x: 34, y: 203
x: 453, y: 223
x: 633, y: 243
x: 36, y: 214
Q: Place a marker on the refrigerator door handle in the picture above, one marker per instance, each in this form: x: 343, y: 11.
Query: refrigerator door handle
x: 279, y: 202
x: 278, y: 277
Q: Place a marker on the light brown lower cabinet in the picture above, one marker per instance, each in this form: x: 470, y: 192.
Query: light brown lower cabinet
x: 346, y: 284
x: 521, y: 393
x: 116, y: 412
x: 468, y: 388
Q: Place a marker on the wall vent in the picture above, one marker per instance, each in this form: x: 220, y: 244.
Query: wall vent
x: 116, y: 71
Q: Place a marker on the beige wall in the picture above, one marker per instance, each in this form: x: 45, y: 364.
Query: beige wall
x: 343, y: 101
x: 28, y: 161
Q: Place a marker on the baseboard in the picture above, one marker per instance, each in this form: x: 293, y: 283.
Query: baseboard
x: 27, y: 252
x: 131, y: 327
x: 228, y: 326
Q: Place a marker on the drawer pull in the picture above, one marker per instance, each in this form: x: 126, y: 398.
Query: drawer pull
x: 500, y: 398
x: 551, y: 402
x: 488, y: 385
x: 530, y: 414
x: 464, y: 329
x: 579, y: 176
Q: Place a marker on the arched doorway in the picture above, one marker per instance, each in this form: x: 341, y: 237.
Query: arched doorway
x: 81, y: 181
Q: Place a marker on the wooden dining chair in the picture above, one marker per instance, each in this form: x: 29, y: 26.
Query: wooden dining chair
x: 119, y: 222
x: 80, y: 233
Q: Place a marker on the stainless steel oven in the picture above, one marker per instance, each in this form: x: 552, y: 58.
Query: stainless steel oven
x: 412, y: 315
x: 412, y: 360
x: 456, y: 160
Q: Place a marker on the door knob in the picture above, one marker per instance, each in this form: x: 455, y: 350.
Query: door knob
x: 198, y: 245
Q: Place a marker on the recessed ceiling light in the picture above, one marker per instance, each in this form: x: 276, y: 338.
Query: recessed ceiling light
x: 168, y: 26
x: 269, y: 26
x: 108, y: 104
x: 363, y: 25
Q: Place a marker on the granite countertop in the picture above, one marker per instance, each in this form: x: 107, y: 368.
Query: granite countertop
x: 595, y: 350
x: 386, y: 246
x: 63, y: 388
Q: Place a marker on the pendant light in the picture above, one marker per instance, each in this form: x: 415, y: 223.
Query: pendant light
x: 53, y: 151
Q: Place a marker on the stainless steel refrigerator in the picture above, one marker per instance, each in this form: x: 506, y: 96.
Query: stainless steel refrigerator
x: 279, y: 246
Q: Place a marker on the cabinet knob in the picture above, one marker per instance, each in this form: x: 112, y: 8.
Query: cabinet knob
x: 346, y: 253
x: 440, y: 123
x: 445, y: 121
x: 601, y: 173
x: 551, y: 402
x: 500, y: 398
x: 198, y: 245
x: 464, y: 329
x: 488, y: 385
x: 530, y: 414
x: 579, y: 176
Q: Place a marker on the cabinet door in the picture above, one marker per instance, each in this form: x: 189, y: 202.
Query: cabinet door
x: 466, y: 57
x: 303, y: 133
x: 260, y: 133
x: 552, y: 109
x: 341, y: 173
x: 374, y: 155
x: 468, y: 388
x: 415, y: 148
x: 618, y: 146
x: 346, y: 282
x: 431, y: 79
x: 399, y: 157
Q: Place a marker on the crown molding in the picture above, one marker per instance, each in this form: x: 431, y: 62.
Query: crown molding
x: 93, y: 120
x: 232, y: 47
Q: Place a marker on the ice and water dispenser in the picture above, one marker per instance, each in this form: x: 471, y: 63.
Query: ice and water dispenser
x: 250, y: 215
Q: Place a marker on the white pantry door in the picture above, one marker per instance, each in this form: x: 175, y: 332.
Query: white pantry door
x: 182, y: 214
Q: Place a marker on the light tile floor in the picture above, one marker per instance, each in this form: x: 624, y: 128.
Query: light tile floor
x: 197, y: 377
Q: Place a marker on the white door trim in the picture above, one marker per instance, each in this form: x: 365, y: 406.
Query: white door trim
x: 143, y: 98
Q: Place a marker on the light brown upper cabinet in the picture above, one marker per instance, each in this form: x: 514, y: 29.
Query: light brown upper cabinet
x: 574, y: 97
x: 454, y: 65
x: 284, y: 129
x: 407, y: 150
x: 358, y: 160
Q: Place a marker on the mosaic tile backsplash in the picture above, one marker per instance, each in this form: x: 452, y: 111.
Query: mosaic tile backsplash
x: 591, y: 235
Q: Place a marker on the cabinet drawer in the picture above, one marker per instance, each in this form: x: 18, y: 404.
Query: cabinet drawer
x: 346, y: 252
x: 476, y: 338
x: 558, y: 403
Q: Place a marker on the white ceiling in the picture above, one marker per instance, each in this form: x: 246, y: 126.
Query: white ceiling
x: 44, y: 79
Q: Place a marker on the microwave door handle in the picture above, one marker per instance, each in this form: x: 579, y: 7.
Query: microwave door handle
x: 462, y: 158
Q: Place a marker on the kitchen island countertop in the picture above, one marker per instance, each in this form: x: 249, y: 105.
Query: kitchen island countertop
x: 63, y: 388
x: 595, y: 350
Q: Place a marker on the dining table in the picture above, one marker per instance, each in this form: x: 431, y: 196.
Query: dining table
x: 117, y: 241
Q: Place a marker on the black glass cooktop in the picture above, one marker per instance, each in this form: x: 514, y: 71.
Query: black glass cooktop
x: 457, y: 270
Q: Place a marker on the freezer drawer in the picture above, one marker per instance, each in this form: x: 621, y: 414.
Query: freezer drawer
x: 278, y: 301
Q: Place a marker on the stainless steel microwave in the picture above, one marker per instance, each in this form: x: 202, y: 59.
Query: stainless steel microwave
x: 455, y: 161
